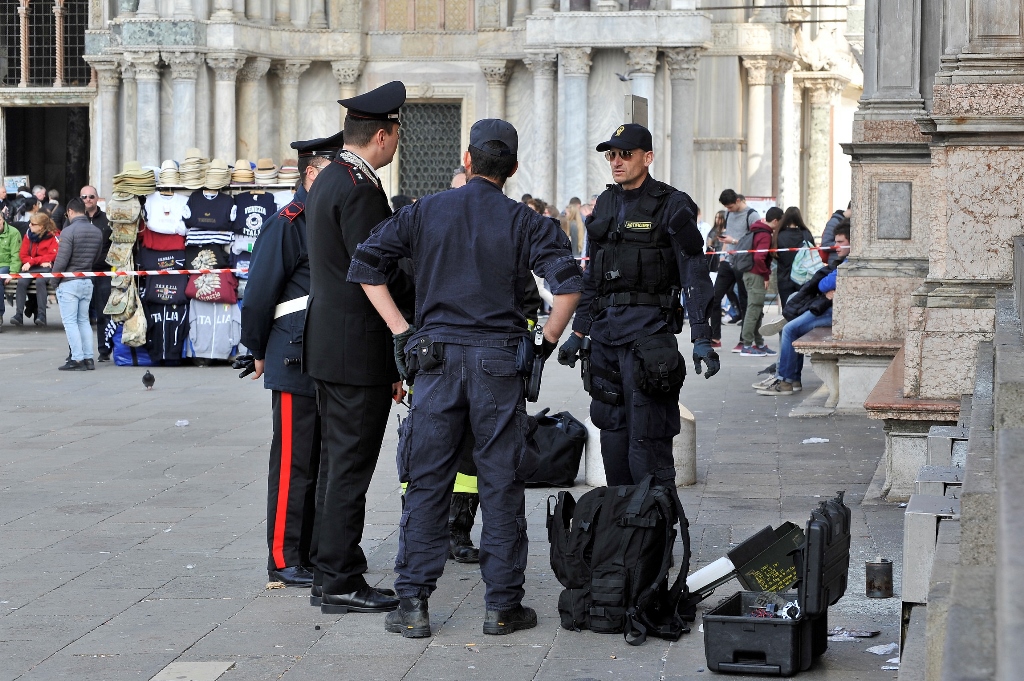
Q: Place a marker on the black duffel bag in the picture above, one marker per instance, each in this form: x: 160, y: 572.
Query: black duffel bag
x: 560, y: 440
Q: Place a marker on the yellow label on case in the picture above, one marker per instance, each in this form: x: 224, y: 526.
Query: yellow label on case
x: 639, y: 226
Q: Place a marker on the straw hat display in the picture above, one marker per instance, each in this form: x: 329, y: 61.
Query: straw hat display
x: 192, y: 171
x: 217, y: 175
x: 135, y: 179
x: 266, y: 171
x: 243, y: 172
x: 289, y: 174
x: 169, y: 174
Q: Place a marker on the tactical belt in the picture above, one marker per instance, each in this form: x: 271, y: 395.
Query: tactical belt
x: 663, y: 300
x: 608, y: 397
x: 290, y: 306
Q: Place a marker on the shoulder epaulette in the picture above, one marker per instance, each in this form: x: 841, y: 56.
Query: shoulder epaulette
x: 293, y: 210
x: 357, y: 175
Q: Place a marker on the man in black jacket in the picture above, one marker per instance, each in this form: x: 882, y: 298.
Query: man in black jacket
x: 347, y: 348
x: 273, y: 314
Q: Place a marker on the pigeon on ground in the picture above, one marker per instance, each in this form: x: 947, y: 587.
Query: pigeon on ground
x: 771, y: 369
x: 148, y: 380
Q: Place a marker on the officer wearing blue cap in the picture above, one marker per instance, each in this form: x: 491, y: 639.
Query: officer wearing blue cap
x: 644, y: 249
x: 472, y: 249
x: 347, y: 348
x: 273, y: 313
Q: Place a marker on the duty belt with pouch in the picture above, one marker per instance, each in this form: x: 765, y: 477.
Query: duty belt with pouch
x: 588, y: 371
x: 530, y: 362
x: 424, y: 356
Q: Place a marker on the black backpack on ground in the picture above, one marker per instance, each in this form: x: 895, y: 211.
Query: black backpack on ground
x: 612, y: 552
x: 560, y: 441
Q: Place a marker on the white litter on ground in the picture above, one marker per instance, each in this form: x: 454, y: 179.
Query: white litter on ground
x: 181, y: 423
x: 815, y: 441
x: 884, y: 650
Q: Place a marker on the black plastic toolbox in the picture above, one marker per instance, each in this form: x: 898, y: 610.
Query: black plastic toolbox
x: 739, y: 643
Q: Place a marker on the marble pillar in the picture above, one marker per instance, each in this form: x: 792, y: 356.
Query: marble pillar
x: 543, y: 66
x: 109, y: 83
x: 572, y: 168
x: 791, y: 189
x: 184, y: 69
x: 225, y: 69
x: 543, y: 6
x: 254, y: 11
x: 823, y: 94
x: 183, y: 10
x: 522, y: 10
x: 148, y: 9
x: 346, y: 71
x: 641, y: 65
x: 496, y: 72
x: 223, y: 10
x: 130, y: 129
x: 147, y: 77
x: 682, y: 69
x: 3, y: 143
x: 760, y: 78
x: 248, y: 114
x: 282, y: 11
x: 317, y: 16
x: 288, y: 73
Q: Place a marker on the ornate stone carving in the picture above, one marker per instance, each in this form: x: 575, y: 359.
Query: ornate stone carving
x: 107, y: 72
x: 682, y: 62
x: 347, y: 70
x: 288, y: 72
x: 254, y: 69
x: 765, y: 70
x: 543, y: 64
x: 184, y: 65
x: 824, y: 91
x: 127, y: 70
x: 642, y: 59
x: 147, y: 64
x: 225, y: 66
x: 575, y: 61
x: 496, y: 71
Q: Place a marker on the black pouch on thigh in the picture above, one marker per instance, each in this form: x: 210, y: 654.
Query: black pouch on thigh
x: 660, y: 368
x: 404, y: 446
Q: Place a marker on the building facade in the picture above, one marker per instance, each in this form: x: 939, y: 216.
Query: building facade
x: 757, y: 98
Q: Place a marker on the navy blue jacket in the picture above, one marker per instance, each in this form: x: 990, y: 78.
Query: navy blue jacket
x: 472, y: 249
x: 279, y: 272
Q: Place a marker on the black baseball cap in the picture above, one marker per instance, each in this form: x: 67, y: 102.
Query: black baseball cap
x: 324, y: 146
x: 629, y: 136
x: 381, y: 104
x: 494, y: 130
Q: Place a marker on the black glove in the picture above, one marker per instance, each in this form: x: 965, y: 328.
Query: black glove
x: 702, y: 351
x: 546, y: 348
x: 246, y: 363
x: 400, y: 341
x: 570, y: 350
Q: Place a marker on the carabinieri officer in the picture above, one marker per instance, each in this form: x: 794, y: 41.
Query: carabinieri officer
x: 347, y: 348
x: 472, y: 249
x: 644, y: 248
x: 273, y: 314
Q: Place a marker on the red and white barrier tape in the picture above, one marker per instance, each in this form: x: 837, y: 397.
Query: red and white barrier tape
x: 759, y: 250
x: 112, y: 273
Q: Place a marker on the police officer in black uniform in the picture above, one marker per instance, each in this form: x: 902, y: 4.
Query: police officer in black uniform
x: 471, y: 250
x: 347, y: 348
x: 644, y: 249
x: 273, y: 314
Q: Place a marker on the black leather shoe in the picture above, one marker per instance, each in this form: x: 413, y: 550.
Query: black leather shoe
x: 72, y: 365
x: 316, y: 593
x: 89, y: 364
x: 411, y: 620
x: 365, y: 599
x: 295, y: 575
x: 500, y: 622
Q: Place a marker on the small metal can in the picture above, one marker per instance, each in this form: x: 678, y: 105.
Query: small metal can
x: 878, y: 578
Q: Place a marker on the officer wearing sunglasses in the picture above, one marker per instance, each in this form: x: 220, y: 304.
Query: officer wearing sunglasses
x: 644, y: 249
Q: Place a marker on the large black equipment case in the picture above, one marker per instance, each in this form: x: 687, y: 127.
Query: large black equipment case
x: 736, y: 642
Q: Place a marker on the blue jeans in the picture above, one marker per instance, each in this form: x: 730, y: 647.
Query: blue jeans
x: 73, y: 297
x: 791, y: 362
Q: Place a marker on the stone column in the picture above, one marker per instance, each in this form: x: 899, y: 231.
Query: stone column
x: 23, y: 16
x: 792, y: 130
x: 497, y: 72
x: 573, y: 166
x: 3, y: 143
x: 823, y: 93
x: 147, y: 76
x: 543, y: 66
x: 283, y: 11
x: 248, y: 131
x: 760, y: 78
x: 109, y: 83
x: 544, y: 7
x: 288, y: 73
x: 58, y: 21
x: 223, y: 10
x: 347, y: 72
x: 148, y: 9
x: 641, y: 65
x: 317, y: 16
x: 184, y: 68
x: 225, y: 69
x: 130, y: 131
x: 183, y: 10
x: 522, y: 9
x: 682, y: 70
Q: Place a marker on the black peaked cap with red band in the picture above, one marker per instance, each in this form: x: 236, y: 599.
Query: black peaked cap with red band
x: 324, y: 146
x: 381, y: 104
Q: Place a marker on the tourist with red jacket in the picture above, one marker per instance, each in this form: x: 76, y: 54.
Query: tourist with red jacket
x: 38, y: 251
x: 756, y: 282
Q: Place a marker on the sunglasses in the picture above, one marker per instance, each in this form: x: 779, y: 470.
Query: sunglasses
x: 87, y: 196
x: 624, y: 154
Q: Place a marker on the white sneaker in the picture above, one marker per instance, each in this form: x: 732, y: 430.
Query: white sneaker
x: 797, y: 386
x: 765, y: 383
x: 773, y: 327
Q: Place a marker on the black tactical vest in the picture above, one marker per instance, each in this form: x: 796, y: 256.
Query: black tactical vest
x: 634, y: 263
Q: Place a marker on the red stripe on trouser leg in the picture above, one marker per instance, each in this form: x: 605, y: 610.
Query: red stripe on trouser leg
x: 285, y: 479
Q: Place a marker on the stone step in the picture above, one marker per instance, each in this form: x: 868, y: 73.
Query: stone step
x: 940, y: 594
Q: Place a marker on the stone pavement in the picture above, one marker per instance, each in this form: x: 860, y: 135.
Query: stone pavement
x: 129, y: 543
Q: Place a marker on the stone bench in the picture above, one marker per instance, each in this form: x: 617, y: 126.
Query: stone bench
x: 855, y: 366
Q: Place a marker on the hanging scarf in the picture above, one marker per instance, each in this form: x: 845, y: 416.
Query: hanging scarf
x: 36, y: 238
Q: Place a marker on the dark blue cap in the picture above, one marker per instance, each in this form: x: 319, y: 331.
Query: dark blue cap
x: 494, y: 130
x: 381, y: 104
x: 629, y: 136
x: 325, y: 146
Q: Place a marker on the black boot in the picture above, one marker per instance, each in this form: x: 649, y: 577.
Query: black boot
x: 411, y: 620
x: 500, y: 622
x: 461, y: 516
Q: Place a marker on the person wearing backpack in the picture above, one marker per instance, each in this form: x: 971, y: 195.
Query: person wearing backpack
x: 793, y: 233
x: 755, y: 279
x: 737, y: 223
